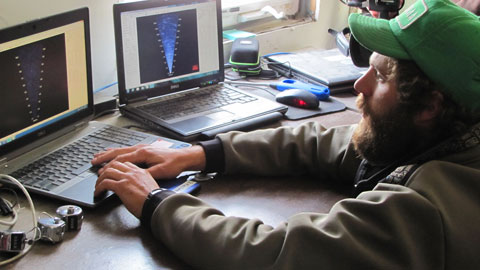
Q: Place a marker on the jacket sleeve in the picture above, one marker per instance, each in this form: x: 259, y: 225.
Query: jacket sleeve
x: 391, y: 227
x: 306, y: 149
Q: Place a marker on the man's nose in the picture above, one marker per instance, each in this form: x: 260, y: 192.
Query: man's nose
x: 364, y: 84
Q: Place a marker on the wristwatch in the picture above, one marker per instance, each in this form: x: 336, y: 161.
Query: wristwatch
x: 154, y: 198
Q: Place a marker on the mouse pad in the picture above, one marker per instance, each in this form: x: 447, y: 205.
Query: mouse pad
x: 329, y: 106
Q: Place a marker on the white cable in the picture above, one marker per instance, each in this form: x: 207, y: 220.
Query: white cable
x: 45, y: 213
x: 273, y: 12
x: 34, y: 216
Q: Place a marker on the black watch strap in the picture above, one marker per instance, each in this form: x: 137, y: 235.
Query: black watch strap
x: 214, y: 155
x: 154, y: 198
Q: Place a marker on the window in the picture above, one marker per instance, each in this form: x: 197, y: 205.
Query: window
x: 247, y: 12
x: 241, y: 14
x: 306, y: 25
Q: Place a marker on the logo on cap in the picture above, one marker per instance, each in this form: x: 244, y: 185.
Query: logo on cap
x: 413, y: 13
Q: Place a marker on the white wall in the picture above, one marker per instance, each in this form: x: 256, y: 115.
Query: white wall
x: 332, y: 14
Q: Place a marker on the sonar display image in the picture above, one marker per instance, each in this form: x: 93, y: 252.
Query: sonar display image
x: 167, y: 45
x: 35, y: 76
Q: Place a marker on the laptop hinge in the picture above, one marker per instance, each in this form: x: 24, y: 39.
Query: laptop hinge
x: 137, y: 99
x: 80, y: 124
x: 3, y: 161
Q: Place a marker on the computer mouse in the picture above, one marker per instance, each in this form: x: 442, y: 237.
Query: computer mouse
x: 299, y: 98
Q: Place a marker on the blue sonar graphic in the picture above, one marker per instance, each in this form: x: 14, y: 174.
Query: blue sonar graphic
x: 168, y: 45
x: 167, y: 29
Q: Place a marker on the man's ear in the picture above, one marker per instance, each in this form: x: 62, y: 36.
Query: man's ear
x: 433, y: 109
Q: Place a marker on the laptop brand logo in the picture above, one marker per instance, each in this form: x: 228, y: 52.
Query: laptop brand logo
x: 41, y: 133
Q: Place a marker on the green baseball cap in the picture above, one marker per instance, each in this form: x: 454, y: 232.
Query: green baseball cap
x: 442, y: 38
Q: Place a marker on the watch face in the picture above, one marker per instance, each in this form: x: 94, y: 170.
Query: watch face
x: 155, y: 191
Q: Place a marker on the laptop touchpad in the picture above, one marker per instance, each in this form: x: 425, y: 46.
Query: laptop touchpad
x: 221, y: 116
x: 204, y: 121
x: 83, y: 191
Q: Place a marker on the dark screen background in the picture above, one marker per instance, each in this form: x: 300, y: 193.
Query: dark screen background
x: 33, y: 83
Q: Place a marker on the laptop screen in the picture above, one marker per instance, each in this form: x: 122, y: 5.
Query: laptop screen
x: 167, y: 46
x: 44, y: 79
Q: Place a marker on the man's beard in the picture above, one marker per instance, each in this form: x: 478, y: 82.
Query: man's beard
x: 382, y: 138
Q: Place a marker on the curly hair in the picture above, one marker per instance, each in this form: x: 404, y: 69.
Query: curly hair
x: 416, y: 90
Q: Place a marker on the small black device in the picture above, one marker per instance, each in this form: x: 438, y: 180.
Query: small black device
x: 5, y: 207
x: 245, y: 57
x: 384, y: 7
x: 299, y: 98
x: 349, y: 46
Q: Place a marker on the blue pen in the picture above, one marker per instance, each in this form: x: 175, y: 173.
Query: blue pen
x: 322, y: 92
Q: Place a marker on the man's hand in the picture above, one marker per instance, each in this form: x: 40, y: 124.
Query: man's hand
x: 161, y: 163
x: 131, y: 184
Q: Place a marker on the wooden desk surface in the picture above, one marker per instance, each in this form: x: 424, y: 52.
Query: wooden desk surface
x: 112, y: 238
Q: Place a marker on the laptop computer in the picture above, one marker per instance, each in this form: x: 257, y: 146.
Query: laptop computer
x: 173, y: 50
x: 324, y: 67
x: 47, y: 139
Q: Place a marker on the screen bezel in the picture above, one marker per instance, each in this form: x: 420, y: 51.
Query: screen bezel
x: 124, y: 97
x: 38, y: 26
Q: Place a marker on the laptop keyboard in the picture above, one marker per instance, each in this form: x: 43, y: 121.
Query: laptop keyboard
x: 196, y: 102
x: 70, y: 161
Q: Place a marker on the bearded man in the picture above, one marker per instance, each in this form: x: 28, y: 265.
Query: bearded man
x: 413, y: 162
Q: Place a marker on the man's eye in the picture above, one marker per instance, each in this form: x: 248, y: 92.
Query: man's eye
x: 380, y: 77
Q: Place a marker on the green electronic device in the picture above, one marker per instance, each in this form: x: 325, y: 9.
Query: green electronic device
x: 245, y: 57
